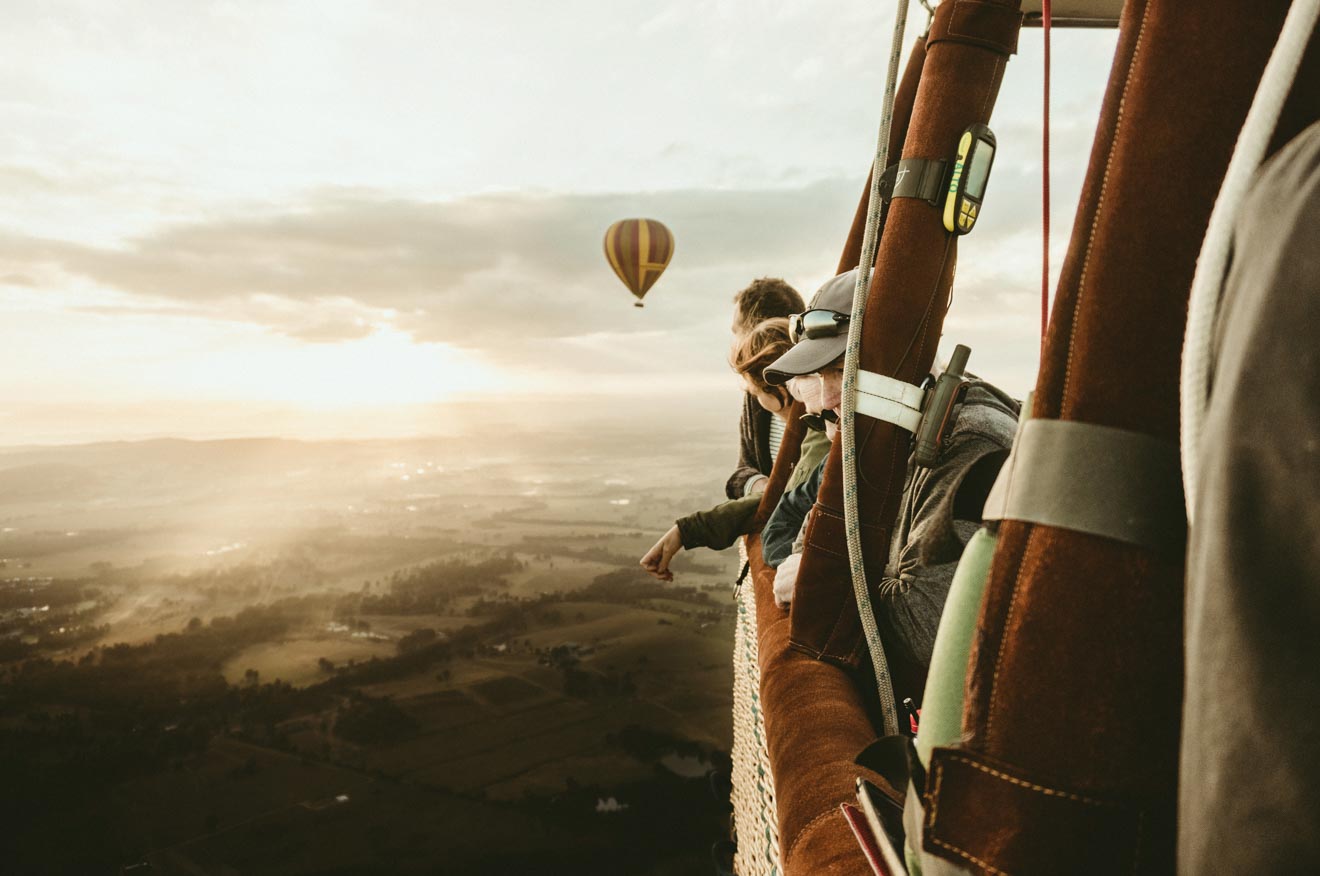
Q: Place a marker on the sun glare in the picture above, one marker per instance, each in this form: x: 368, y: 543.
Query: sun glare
x: 388, y: 367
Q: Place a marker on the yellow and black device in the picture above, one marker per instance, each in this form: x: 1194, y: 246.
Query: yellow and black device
x: 971, y: 170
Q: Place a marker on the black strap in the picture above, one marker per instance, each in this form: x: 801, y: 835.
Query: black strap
x: 921, y: 178
x: 742, y: 576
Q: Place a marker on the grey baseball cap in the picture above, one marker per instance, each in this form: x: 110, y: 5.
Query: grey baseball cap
x: 812, y: 354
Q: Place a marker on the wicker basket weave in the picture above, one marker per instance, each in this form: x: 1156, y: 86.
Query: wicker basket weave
x: 754, y: 813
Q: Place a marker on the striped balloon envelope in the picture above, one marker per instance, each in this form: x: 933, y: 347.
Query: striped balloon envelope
x: 638, y: 250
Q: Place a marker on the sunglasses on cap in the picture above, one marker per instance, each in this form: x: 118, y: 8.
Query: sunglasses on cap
x: 817, y: 324
x: 816, y: 422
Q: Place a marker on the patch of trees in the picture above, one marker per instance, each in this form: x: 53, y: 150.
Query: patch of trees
x: 556, y: 548
x: 374, y: 721
x: 589, y: 684
x: 156, y: 677
x: 290, y: 573
x: 649, y: 745
x: 630, y: 584
x: 433, y: 588
x: 415, y: 640
x: 59, y: 592
x: 67, y: 615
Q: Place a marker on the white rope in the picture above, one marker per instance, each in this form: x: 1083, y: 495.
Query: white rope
x: 884, y: 683
x: 1207, y: 285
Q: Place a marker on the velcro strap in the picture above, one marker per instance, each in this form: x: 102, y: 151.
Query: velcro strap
x: 920, y: 178
x: 914, y: 816
x: 993, y: 816
x: 1094, y: 479
x: 993, y: 26
x: 884, y: 398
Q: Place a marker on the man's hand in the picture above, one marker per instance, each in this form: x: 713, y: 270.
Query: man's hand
x: 786, y: 580
x: 656, y: 560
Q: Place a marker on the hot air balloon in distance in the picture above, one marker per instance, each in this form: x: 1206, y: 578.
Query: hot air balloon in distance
x: 638, y: 250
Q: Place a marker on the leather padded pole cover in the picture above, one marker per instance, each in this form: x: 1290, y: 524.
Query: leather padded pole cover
x: 1071, y: 723
x: 967, y: 51
x: 815, y: 718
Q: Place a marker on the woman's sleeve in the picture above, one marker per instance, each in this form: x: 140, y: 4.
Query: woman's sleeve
x: 736, y: 486
x: 719, y: 527
x: 786, y: 521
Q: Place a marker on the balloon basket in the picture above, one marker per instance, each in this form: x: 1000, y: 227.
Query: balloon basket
x: 637, y: 304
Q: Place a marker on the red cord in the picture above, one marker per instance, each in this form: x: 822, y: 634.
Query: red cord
x: 1045, y: 186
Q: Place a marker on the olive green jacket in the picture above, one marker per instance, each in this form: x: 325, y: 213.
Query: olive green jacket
x: 721, y: 526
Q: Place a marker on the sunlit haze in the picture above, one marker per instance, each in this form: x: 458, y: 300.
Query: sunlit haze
x: 328, y: 208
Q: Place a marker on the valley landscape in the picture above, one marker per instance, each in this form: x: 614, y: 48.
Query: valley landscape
x: 436, y: 655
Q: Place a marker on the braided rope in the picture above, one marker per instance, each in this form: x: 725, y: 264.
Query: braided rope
x: 755, y: 814
x: 1207, y: 284
x: 852, y: 525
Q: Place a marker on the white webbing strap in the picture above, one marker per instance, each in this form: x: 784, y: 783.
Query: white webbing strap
x: 884, y: 398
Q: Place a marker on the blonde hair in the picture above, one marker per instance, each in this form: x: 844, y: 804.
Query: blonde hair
x: 758, y: 348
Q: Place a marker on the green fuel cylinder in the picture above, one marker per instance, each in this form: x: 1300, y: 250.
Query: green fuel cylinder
x: 942, y: 704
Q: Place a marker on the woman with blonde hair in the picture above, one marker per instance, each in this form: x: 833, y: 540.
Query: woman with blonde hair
x: 719, y: 527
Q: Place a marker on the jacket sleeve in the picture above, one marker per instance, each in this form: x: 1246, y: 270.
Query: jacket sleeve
x: 946, y: 512
x: 747, y: 468
x: 719, y: 527
x: 722, y: 525
x: 783, y: 526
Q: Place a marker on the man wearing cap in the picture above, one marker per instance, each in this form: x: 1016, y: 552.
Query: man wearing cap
x: 941, y: 505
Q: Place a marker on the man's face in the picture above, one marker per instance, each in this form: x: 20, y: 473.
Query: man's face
x: 806, y: 389
x: 820, y: 391
x: 831, y: 388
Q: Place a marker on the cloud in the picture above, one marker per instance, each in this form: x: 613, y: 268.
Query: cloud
x: 473, y: 272
x: 518, y: 278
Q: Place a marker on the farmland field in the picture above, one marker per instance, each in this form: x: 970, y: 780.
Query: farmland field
x: 285, y: 659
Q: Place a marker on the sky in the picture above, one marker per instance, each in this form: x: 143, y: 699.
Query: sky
x: 332, y: 218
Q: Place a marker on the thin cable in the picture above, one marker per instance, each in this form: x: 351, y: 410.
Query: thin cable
x: 1207, y: 285
x: 1045, y: 188
x: 884, y: 683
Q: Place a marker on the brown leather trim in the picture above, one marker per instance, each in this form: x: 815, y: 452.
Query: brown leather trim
x: 904, y: 98
x: 987, y: 25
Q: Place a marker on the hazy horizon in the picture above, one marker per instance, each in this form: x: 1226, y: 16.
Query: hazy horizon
x: 37, y: 425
